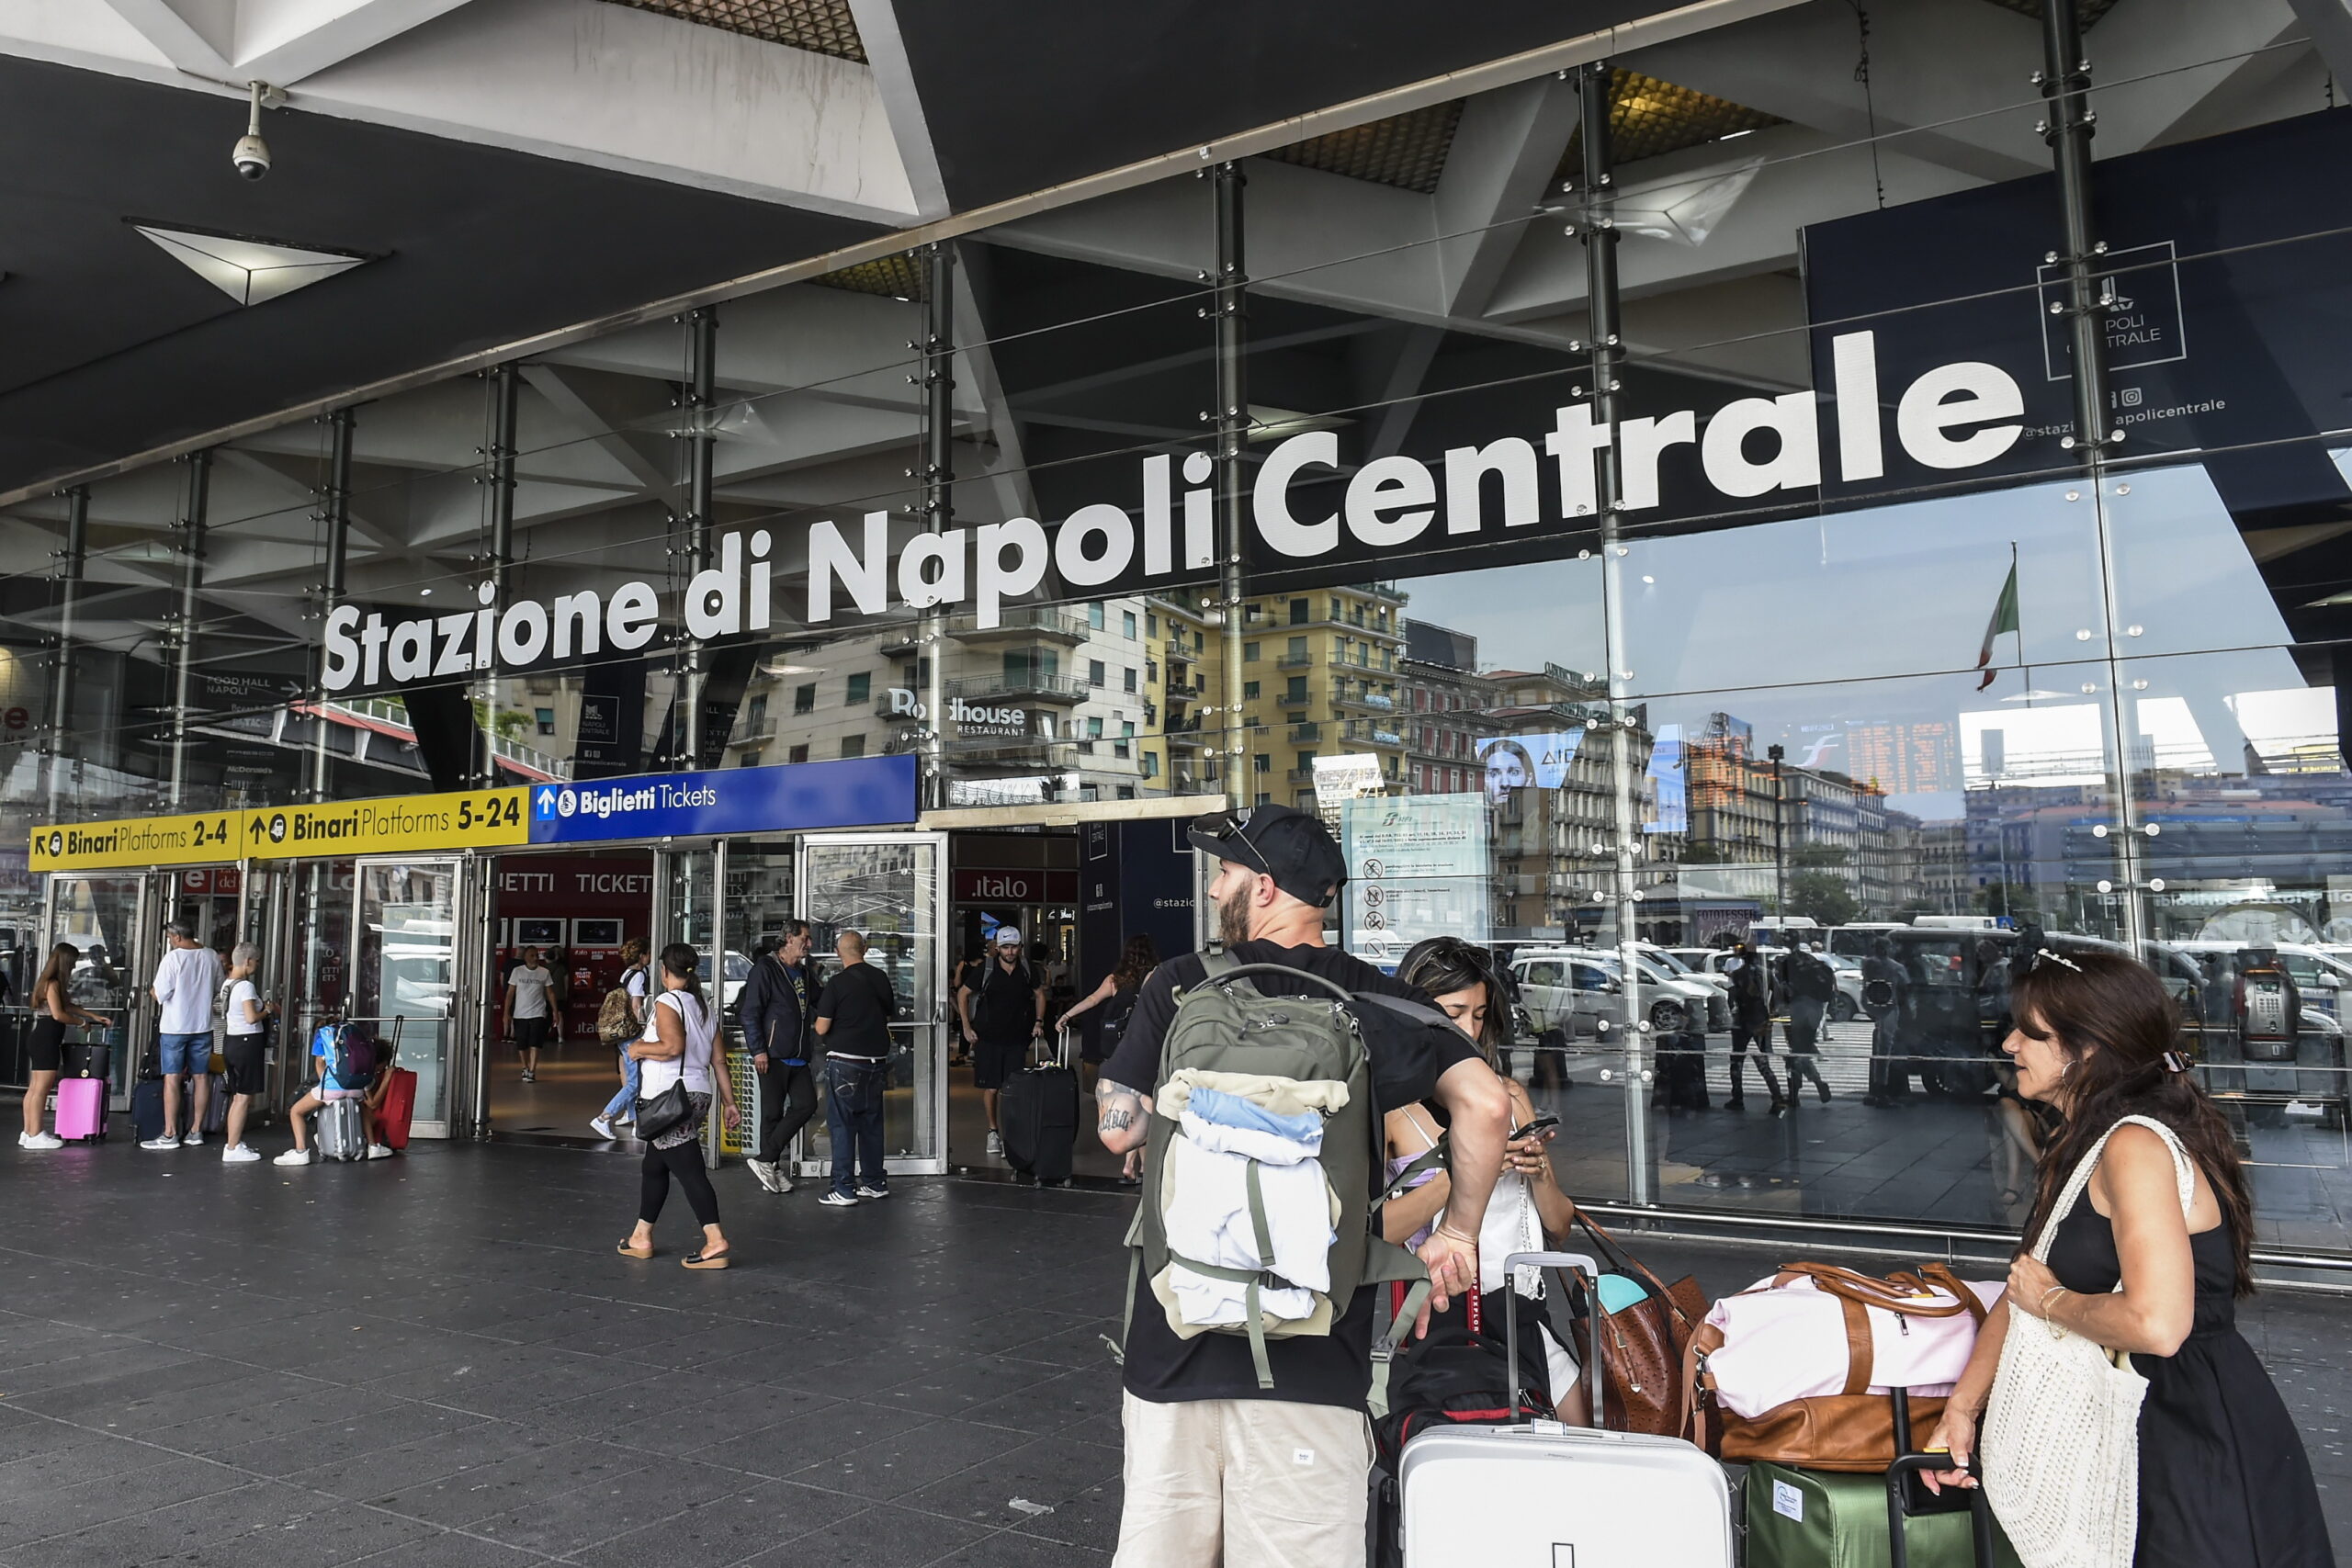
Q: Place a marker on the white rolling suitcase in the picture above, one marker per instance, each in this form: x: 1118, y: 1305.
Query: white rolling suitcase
x: 1547, y: 1496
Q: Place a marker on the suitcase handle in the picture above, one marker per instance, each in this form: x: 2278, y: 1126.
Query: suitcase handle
x: 1581, y: 1267
x: 1979, y: 1513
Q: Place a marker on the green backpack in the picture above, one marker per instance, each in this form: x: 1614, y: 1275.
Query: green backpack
x: 1225, y: 1025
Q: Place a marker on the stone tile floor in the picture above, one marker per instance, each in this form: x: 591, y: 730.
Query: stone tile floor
x: 439, y: 1360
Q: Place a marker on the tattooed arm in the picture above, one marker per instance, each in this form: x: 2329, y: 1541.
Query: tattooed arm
x: 1123, y: 1112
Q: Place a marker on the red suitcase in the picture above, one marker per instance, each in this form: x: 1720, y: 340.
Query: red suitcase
x: 399, y: 1105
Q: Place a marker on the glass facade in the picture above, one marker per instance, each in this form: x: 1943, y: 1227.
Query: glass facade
x: 1790, y: 605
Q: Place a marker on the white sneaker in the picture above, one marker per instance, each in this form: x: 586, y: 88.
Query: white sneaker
x: 238, y: 1154
x: 191, y: 1140
x: 40, y: 1140
x: 873, y: 1192
x: 783, y: 1182
x: 833, y: 1200
x: 164, y: 1143
x: 601, y: 1127
x: 996, y: 1141
x: 380, y: 1151
x: 293, y: 1156
x: 762, y: 1172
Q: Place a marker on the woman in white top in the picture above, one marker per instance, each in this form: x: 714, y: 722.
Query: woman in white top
x: 1528, y: 1212
x: 246, y: 1020
x: 681, y: 1042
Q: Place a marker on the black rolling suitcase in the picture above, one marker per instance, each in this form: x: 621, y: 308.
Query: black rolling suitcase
x: 1037, y: 1115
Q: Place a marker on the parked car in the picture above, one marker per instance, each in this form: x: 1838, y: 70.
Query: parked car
x: 1574, y: 989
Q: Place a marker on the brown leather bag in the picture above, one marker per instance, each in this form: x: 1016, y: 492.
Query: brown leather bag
x: 1851, y: 1431
x: 1642, y: 1389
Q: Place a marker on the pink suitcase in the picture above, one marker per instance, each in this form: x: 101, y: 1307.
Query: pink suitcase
x: 82, y: 1109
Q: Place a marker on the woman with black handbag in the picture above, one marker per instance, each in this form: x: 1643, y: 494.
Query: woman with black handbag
x: 680, y: 1069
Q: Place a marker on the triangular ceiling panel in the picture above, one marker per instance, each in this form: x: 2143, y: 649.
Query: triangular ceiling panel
x: 249, y: 271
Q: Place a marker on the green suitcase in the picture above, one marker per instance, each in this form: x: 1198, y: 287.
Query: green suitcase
x: 1811, y: 1519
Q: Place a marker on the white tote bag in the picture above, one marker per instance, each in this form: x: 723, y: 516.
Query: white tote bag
x: 2062, y: 1429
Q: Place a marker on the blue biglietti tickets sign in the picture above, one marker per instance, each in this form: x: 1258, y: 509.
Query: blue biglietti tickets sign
x: 793, y: 797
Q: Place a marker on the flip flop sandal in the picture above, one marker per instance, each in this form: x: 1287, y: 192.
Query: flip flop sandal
x: 626, y: 1250
x: 709, y: 1260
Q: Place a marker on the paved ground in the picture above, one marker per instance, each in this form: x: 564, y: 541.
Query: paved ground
x: 439, y: 1361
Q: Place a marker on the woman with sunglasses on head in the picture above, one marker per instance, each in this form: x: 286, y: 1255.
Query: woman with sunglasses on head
x: 2223, y: 1481
x: 1528, y: 1211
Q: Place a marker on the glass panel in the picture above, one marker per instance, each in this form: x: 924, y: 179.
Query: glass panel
x: 407, y: 972
x: 888, y: 891
x: 100, y: 915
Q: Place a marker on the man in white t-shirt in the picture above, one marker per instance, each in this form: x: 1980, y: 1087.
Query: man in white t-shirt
x: 185, y: 982
x: 530, y: 1005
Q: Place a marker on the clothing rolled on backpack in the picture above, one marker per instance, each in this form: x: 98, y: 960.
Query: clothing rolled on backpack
x: 1212, y: 1219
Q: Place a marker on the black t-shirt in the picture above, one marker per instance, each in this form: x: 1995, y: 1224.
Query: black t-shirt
x: 1408, y: 1058
x: 1004, y: 1002
x: 860, y: 1002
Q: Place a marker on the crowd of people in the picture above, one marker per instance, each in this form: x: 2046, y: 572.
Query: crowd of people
x: 1249, y: 1385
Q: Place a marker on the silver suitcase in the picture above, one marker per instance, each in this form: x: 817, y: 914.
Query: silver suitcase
x: 343, y: 1129
x: 1548, y: 1495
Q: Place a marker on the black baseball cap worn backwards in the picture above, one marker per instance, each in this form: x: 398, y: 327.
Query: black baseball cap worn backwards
x: 1292, y: 846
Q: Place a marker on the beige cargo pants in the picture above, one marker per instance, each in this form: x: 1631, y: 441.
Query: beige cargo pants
x: 1243, y: 1483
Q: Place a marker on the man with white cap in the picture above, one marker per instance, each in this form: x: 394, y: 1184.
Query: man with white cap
x: 1003, y: 1005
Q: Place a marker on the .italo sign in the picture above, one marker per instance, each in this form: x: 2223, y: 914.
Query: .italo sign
x: 1953, y: 416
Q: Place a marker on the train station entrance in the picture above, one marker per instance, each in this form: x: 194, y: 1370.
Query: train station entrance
x: 420, y: 947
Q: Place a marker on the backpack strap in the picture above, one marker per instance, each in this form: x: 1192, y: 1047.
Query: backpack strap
x: 1405, y: 1301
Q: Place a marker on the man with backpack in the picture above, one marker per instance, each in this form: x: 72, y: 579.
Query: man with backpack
x: 1003, y: 1006
x: 778, y: 1009
x: 1248, y: 1440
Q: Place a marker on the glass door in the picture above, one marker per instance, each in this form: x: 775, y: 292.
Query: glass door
x: 409, y: 972
x: 891, y: 887
x: 115, y: 920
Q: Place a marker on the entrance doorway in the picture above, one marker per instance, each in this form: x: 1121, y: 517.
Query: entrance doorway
x: 574, y: 910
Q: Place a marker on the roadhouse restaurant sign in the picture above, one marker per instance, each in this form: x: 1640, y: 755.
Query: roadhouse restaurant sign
x: 1953, y: 416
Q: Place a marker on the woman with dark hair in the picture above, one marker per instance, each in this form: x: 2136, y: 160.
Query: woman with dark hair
x: 2223, y: 1481
x: 1528, y: 1212
x: 54, y: 1011
x: 1117, y: 995
x: 679, y: 1046
x: 1508, y: 767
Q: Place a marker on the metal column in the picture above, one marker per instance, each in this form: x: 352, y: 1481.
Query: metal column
x: 71, y: 560
x: 1604, y: 360
x: 336, y: 513
x: 938, y: 488
x: 506, y: 383
x: 1230, y: 313
x: 701, y: 400
x: 190, y: 545
x: 2065, y: 80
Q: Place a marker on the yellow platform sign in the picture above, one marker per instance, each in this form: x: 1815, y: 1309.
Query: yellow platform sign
x: 407, y: 824
x: 214, y: 838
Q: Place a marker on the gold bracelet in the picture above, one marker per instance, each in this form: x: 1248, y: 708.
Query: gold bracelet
x: 2053, y: 1290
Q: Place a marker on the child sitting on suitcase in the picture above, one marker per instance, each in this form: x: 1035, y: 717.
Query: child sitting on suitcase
x: 349, y: 1066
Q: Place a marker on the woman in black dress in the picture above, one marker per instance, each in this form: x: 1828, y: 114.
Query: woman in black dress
x: 54, y: 1011
x: 2223, y: 1479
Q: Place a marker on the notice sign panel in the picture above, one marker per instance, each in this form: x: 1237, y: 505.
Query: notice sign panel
x: 1418, y: 866
x: 213, y: 838
x: 792, y: 797
x: 404, y: 824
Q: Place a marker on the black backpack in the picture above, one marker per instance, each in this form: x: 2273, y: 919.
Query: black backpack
x: 1453, y: 1378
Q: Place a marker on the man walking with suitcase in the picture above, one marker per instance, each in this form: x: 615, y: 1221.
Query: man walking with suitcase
x: 1003, y: 1006
x: 1251, y: 1454
x: 778, y: 1006
x: 185, y: 983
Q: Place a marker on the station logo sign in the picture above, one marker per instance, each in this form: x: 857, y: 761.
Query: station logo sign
x: 1953, y: 416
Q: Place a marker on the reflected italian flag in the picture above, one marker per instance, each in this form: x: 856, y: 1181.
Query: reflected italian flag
x: 2005, y: 620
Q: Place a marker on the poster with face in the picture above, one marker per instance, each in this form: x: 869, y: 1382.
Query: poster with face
x: 1515, y: 761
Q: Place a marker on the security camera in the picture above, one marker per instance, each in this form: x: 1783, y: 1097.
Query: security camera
x: 252, y: 153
